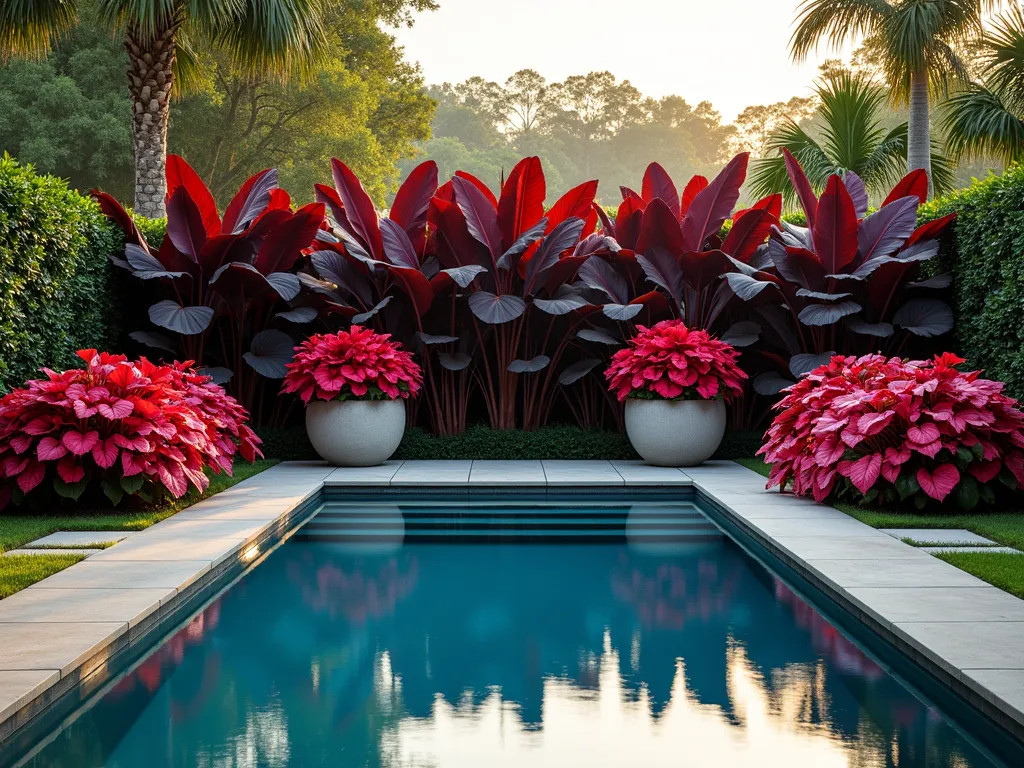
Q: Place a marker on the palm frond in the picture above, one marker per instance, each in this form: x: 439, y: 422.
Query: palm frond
x: 769, y: 175
x: 851, y: 109
x: 837, y: 21
x: 979, y: 123
x: 943, y: 171
x: 29, y: 27
x: 145, y: 18
x: 1003, y: 56
x: 887, y: 163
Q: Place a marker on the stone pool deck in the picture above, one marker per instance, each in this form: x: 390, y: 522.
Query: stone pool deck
x: 59, y: 634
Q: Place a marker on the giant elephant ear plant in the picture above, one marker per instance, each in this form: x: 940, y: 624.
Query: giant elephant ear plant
x: 849, y: 280
x: 229, y: 281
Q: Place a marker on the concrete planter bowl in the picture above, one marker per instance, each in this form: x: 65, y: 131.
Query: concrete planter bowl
x: 355, y: 433
x: 675, y: 433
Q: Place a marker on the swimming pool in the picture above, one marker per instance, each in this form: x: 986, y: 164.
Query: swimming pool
x: 510, y: 632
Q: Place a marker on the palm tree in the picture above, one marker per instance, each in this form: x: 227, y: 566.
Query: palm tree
x: 915, y: 41
x: 263, y: 36
x: 848, y: 135
x: 987, y: 120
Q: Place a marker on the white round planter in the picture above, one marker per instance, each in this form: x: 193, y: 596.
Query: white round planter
x: 675, y: 433
x: 355, y: 433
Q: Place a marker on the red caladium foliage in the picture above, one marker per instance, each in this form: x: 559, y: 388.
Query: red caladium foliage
x: 888, y: 429
x: 227, y: 275
x: 129, y: 427
x: 356, y: 364
x: 673, y: 362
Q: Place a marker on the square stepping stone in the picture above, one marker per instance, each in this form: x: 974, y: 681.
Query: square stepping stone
x: 78, y: 539
x: 937, y: 536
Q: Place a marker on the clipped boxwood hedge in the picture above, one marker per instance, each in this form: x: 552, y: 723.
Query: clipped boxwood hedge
x: 55, y: 274
x: 482, y: 442
x: 985, y: 254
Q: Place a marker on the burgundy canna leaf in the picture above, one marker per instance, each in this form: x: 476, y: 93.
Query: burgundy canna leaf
x: 693, y: 186
x: 803, y: 188
x: 914, y: 183
x: 481, y: 217
x: 658, y: 184
x: 881, y: 233
x: 835, y: 228
x: 185, y: 225
x: 413, y: 201
x: 249, y: 202
x: 362, y: 216
x: 713, y: 205
x: 747, y: 233
x: 521, y: 204
x: 181, y: 175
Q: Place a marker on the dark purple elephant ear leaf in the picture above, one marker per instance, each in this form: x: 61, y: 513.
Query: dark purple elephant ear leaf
x: 835, y: 228
x: 578, y: 370
x: 713, y: 204
x: 658, y: 184
x: 858, y: 192
x: 270, y: 353
x: 925, y: 317
x: 534, y: 365
x: 562, y: 238
x: 598, y: 274
x: 803, y: 188
x: 362, y: 216
x: 496, y: 310
x: 188, y: 321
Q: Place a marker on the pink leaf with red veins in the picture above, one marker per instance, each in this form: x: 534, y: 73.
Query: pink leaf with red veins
x: 940, y: 483
x: 32, y: 476
x: 923, y: 434
x: 117, y: 410
x: 50, y: 449
x: 864, y: 472
x: 70, y: 471
x: 104, y: 453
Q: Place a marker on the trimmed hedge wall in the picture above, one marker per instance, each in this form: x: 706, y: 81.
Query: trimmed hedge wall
x: 482, y: 442
x: 985, y: 254
x: 55, y: 274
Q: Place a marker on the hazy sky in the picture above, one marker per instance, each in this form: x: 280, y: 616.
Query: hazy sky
x: 731, y: 52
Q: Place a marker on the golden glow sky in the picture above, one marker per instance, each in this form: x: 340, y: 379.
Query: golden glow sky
x: 731, y: 52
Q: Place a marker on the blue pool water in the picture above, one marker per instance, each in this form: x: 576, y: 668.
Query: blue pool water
x: 510, y: 635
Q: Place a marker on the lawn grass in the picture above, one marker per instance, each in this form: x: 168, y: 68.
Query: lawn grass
x: 20, y: 571
x: 1003, y: 570
x: 1000, y: 569
x: 17, y: 530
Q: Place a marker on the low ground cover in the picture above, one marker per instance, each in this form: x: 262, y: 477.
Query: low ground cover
x: 1005, y: 571
x: 18, y: 572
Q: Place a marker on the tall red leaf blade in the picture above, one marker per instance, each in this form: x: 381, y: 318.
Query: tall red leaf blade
x: 914, y: 183
x: 713, y: 205
x: 481, y: 217
x: 412, y: 201
x: 484, y: 189
x: 185, y: 226
x: 660, y: 229
x: 835, y: 227
x: 627, y: 223
x: 693, y: 187
x: 416, y: 287
x: 662, y: 269
x: 931, y: 229
x: 772, y: 204
x: 629, y: 194
x: 114, y: 211
x: 607, y: 227
x: 658, y: 184
x: 329, y: 197
x: 577, y: 202
x: 747, y: 233
x: 562, y: 238
x: 358, y: 208
x: 803, y: 187
x: 522, y: 200
x: 180, y: 174
x: 284, y: 243
x: 249, y: 202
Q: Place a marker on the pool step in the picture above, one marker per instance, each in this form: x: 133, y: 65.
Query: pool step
x: 440, y: 524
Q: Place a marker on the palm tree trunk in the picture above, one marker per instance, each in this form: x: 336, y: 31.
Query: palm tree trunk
x: 150, y: 76
x: 919, y: 144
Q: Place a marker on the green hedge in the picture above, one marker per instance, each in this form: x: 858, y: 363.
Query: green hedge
x: 482, y: 442
x: 985, y: 254
x: 55, y: 274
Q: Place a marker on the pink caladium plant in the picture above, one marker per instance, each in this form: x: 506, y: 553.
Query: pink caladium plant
x: 127, y: 427
x: 673, y: 362
x: 889, y: 430
x: 356, y: 364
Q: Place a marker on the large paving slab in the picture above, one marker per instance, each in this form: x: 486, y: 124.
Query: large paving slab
x: 112, y: 604
x: 637, y: 473
x: 577, y: 473
x: 73, y: 539
x: 381, y: 475
x: 59, y: 646
x: 916, y: 572
x: 433, y: 472
x: 939, y: 536
x: 514, y: 474
x: 90, y: 574
x: 19, y: 687
x: 961, y: 645
x: 896, y: 605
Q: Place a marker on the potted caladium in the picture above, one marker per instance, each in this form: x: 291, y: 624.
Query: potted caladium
x: 355, y: 384
x: 675, y: 382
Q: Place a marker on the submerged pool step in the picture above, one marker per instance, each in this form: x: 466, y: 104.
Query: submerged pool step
x: 370, y: 524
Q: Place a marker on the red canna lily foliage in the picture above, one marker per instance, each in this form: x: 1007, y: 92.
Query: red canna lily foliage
x: 847, y: 282
x: 357, y: 364
x: 676, y: 240
x: 230, y: 283
x: 673, y: 362
x: 128, y: 427
x: 889, y: 430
